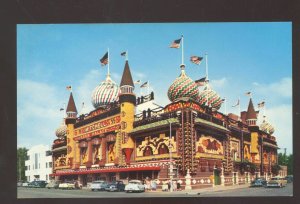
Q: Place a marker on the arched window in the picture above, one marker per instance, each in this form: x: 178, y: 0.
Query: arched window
x: 148, y: 151
x: 163, y: 149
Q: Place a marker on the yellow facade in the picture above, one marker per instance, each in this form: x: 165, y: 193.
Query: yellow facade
x: 71, y: 146
x: 254, y: 142
x: 127, y: 119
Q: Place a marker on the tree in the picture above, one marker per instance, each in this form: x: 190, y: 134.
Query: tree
x: 285, y: 160
x: 21, y: 157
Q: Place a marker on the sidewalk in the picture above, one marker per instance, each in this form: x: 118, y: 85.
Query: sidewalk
x: 217, y: 188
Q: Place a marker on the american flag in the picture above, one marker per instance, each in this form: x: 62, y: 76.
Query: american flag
x: 201, y: 82
x: 261, y: 104
x: 237, y: 103
x: 175, y: 44
x: 196, y: 60
x: 144, y: 85
x: 104, y: 59
x: 69, y: 88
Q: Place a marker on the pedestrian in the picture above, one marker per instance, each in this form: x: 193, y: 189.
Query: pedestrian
x: 174, y: 185
x: 169, y: 185
x: 153, y: 185
x: 178, y: 186
x: 149, y: 184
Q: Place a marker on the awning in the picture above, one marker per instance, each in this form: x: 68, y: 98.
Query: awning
x: 93, y: 171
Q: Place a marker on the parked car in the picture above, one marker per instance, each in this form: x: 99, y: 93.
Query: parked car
x: 25, y: 184
x: 99, y: 185
x: 115, y: 186
x: 135, y: 186
x: 53, y: 184
x: 276, y: 182
x: 289, y: 178
x: 20, y: 184
x: 70, y: 185
x: 258, y: 182
x: 37, y: 184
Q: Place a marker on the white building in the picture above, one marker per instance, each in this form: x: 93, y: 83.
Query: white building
x: 39, y: 163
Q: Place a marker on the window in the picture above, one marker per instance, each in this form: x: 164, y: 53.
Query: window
x: 46, y: 176
x: 39, y: 165
x: 46, y: 164
x: 48, y: 153
x: 28, y: 167
x: 50, y: 164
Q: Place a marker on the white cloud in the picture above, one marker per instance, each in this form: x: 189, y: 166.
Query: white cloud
x: 86, y: 86
x: 37, y: 112
x: 219, y: 83
x: 281, y: 118
x: 139, y: 75
x: 282, y: 88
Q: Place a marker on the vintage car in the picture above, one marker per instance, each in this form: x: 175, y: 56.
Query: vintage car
x: 258, y: 182
x: 134, y: 186
x: 70, y: 185
x: 53, y: 184
x: 37, y: 184
x: 276, y: 182
x: 115, y: 186
x: 99, y: 185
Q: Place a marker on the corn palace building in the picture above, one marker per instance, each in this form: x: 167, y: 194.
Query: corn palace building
x: 188, y: 140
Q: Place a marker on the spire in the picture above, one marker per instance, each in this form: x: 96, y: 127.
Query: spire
x: 126, y: 77
x: 251, y: 114
x: 71, y: 108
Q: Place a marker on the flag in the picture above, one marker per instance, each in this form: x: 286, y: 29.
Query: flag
x: 123, y: 54
x: 261, y: 104
x: 61, y: 109
x: 196, y: 60
x: 69, y: 88
x: 144, y: 85
x: 248, y: 93
x: 175, y: 44
x: 201, y: 82
x: 137, y: 82
x: 224, y: 99
x: 104, y: 59
x: 237, y: 103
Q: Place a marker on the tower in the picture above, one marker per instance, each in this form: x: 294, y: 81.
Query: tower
x: 127, y: 101
x: 251, y: 119
x: 70, y: 121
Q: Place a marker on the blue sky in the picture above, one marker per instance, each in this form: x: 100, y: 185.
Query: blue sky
x: 242, y: 57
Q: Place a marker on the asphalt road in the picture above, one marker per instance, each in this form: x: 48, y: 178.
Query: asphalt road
x: 240, y: 192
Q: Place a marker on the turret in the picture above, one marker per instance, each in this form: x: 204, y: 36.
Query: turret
x: 70, y: 121
x: 251, y: 119
x: 127, y: 102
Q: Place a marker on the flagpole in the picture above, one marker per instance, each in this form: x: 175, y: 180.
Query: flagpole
x: 126, y: 55
x: 108, y: 61
x: 182, y: 57
x: 148, y: 87
x: 206, y: 66
x: 225, y: 105
x: 239, y: 114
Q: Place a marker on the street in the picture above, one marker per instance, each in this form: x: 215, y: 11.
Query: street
x: 238, y: 191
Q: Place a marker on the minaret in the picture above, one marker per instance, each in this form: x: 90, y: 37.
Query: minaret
x: 127, y: 102
x: 70, y: 121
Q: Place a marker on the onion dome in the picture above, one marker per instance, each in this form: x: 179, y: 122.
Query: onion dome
x: 183, y: 87
x: 61, y: 131
x: 267, y: 127
x: 210, y: 97
x: 105, y: 93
